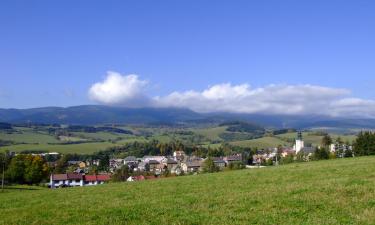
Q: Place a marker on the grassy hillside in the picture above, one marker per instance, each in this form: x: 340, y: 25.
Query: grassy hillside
x: 260, y: 143
x: 313, y: 138
x: 338, y: 191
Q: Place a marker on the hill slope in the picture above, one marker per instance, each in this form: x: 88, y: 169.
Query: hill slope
x: 325, y: 192
x: 98, y: 114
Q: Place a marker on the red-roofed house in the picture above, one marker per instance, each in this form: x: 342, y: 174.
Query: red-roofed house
x: 63, y: 180
x: 96, y: 179
x: 75, y: 179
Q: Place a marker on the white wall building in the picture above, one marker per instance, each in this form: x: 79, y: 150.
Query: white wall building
x: 299, y: 144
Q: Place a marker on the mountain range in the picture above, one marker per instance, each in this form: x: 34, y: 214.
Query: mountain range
x: 99, y: 114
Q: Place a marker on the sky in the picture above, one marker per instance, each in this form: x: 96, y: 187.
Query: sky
x: 289, y: 57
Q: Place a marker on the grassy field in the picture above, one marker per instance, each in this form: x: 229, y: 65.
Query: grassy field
x: 29, y: 136
x: 338, y: 191
x: 260, y: 143
x: 84, y: 148
x: 314, y: 139
x: 211, y: 133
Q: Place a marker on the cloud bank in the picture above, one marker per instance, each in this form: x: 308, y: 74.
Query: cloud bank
x: 130, y: 91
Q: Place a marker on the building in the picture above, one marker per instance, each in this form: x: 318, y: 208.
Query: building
x: 74, y: 180
x: 66, y: 180
x: 96, y: 179
x: 115, y: 164
x: 155, y: 165
x: 233, y: 159
x: 156, y: 158
x: 82, y: 165
x: 179, y: 155
x: 169, y: 163
x: 191, y: 166
x: 287, y: 151
x: 130, y: 161
x: 135, y: 178
x: 219, y: 162
x: 299, y: 144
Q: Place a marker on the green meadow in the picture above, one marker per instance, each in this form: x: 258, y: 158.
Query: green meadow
x: 340, y: 191
x: 28, y: 139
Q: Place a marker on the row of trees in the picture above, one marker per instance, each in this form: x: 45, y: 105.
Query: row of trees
x: 24, y: 169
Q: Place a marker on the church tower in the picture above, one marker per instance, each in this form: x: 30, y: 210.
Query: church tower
x: 299, y: 145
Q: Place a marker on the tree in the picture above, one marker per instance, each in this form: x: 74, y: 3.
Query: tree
x: 326, y: 141
x: 121, y: 174
x: 364, y: 144
x: 16, y: 169
x: 35, y: 169
x: 321, y: 153
x: 209, y: 166
x: 61, y: 165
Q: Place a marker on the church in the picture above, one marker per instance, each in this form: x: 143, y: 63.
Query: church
x: 300, y: 145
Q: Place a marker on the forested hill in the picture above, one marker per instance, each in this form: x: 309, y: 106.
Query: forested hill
x: 98, y: 114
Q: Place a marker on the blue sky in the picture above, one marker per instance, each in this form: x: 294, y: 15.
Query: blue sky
x: 52, y: 52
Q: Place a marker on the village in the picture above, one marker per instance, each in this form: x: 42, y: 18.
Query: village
x: 155, y: 167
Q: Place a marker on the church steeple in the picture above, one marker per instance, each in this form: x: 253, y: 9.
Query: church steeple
x: 299, y: 135
x: 299, y: 145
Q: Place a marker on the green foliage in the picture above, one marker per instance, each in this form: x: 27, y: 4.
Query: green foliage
x: 121, y: 174
x: 321, y: 153
x: 364, y: 144
x: 209, y: 166
x: 326, y: 140
x: 236, y: 166
x: 27, y: 169
x: 287, y: 159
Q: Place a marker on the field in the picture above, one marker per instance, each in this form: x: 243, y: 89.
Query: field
x: 338, y: 191
x: 87, y: 143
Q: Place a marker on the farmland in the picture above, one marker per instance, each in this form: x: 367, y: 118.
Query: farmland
x: 337, y: 191
x: 80, y: 142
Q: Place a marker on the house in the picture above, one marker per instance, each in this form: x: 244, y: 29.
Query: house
x: 115, y: 164
x: 96, y: 179
x: 135, y: 178
x: 130, y: 179
x: 155, y: 165
x: 169, y: 163
x: 176, y: 169
x: 82, y: 165
x: 66, y: 180
x: 287, y: 151
x: 74, y: 179
x: 155, y: 158
x: 96, y: 162
x: 191, y: 166
x: 219, y: 162
x: 179, y: 155
x: 233, y: 159
x: 308, y: 150
x: 131, y: 161
x: 142, y: 166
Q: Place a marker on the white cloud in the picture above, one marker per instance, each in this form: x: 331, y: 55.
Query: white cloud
x: 117, y: 89
x: 129, y: 90
x: 272, y: 99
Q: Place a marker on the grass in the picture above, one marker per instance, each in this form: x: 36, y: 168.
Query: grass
x: 316, y: 140
x: 338, y: 191
x: 83, y: 148
x: 260, y: 143
x: 29, y: 136
x: 211, y: 133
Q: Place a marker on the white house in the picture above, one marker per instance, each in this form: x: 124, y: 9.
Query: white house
x: 69, y: 179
